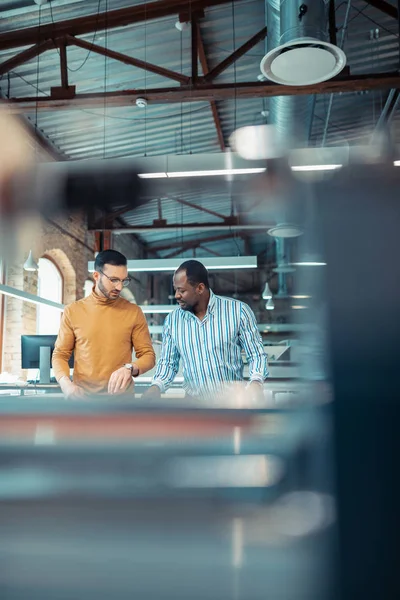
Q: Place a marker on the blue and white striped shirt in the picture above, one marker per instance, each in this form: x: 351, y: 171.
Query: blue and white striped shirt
x: 210, y: 349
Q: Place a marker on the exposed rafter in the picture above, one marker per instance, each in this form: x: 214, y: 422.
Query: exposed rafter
x: 154, y: 228
x: 201, y: 208
x: 193, y: 244
x: 106, y: 20
x: 384, y: 7
x: 188, y: 244
x: 232, y: 58
x: 128, y: 60
x: 25, y: 55
x: 213, y: 105
x: 206, y: 93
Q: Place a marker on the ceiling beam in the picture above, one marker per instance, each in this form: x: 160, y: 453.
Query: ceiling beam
x: 188, y: 244
x: 111, y: 19
x: 178, y: 227
x: 209, y: 250
x: 227, y: 62
x: 25, y: 55
x: 201, y: 208
x: 64, y: 66
x: 384, y: 7
x: 205, y: 93
x: 128, y: 60
x: 213, y: 104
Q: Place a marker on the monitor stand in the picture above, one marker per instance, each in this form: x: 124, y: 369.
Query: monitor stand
x: 44, y: 364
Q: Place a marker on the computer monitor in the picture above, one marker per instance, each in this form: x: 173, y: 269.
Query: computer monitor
x: 36, y: 353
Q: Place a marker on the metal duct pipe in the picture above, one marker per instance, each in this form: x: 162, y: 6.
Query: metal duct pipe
x: 292, y: 115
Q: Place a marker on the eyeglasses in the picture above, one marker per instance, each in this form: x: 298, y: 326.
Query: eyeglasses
x: 116, y: 281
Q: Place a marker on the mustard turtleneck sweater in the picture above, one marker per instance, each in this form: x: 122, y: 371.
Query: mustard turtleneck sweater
x: 102, y: 333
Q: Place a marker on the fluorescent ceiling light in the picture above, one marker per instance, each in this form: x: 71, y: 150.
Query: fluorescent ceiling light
x: 171, y: 264
x: 225, y: 172
x: 310, y: 263
x: 310, y: 259
x: 301, y: 296
x: 298, y: 307
x: 153, y: 175
x: 25, y: 297
x: 397, y: 163
x: 207, y: 173
x: 316, y: 167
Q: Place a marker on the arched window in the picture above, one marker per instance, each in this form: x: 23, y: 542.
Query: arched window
x: 87, y: 288
x: 50, y: 286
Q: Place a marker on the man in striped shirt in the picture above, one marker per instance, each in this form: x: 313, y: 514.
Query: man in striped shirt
x: 208, y: 334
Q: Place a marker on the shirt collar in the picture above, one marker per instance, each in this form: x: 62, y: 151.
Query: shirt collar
x: 211, y: 302
x: 210, y: 307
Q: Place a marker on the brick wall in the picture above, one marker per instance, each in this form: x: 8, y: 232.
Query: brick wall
x: 70, y: 246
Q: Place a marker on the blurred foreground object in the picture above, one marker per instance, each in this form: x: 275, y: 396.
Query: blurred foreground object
x: 16, y: 157
x: 102, y: 500
x: 359, y: 218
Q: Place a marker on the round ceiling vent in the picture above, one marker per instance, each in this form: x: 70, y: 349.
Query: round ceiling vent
x: 303, y: 62
x: 285, y: 230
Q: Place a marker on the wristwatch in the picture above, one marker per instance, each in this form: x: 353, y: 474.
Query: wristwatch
x: 131, y: 367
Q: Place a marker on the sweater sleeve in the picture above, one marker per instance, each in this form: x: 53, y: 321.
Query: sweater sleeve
x: 141, y: 341
x: 64, y: 347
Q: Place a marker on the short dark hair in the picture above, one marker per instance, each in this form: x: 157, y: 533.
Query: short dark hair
x: 195, y: 272
x: 109, y: 257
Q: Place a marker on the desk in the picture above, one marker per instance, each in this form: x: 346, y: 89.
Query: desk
x: 47, y: 388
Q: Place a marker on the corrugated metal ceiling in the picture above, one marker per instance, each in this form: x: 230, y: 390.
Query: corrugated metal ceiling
x: 371, y: 45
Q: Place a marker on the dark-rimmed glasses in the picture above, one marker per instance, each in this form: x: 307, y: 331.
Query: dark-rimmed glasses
x: 116, y: 281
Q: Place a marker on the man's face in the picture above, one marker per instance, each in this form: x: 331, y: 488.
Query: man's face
x: 109, y: 281
x: 186, y: 295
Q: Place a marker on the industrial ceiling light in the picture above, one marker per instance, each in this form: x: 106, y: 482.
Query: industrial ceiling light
x: 205, y: 173
x: 171, y: 264
x: 285, y: 230
x: 270, y: 304
x: 332, y: 167
x: 158, y: 308
x: 266, y: 292
x: 243, y: 171
x: 30, y: 264
x: 310, y: 260
x: 26, y: 297
x: 257, y: 142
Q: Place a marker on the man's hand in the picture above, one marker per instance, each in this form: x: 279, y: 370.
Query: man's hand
x: 256, y: 390
x: 152, y: 393
x: 70, y: 389
x: 120, y: 380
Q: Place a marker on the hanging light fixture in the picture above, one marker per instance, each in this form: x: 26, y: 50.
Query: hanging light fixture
x: 30, y: 264
x: 171, y: 264
x: 266, y: 292
x: 270, y: 304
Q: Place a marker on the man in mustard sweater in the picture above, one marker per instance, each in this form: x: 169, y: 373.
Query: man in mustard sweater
x: 102, y: 330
